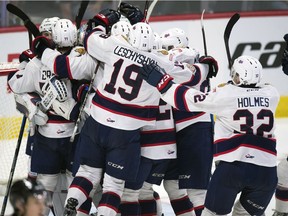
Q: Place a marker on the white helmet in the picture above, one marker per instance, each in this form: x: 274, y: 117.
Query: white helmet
x: 246, y: 70
x: 157, y: 42
x: 121, y: 28
x: 47, y: 24
x: 64, y: 33
x: 141, y: 37
x: 174, y: 38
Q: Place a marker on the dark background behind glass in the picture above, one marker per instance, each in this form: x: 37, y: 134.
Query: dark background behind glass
x: 38, y: 10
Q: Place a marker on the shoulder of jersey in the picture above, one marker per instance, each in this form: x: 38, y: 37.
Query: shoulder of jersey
x: 222, y: 85
x: 79, y: 50
x: 163, y: 52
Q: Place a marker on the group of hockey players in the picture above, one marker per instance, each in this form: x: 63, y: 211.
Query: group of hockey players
x: 146, y: 112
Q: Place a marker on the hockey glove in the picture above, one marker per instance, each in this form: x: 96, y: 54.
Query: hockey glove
x: 41, y: 43
x: 26, y: 56
x: 156, y: 76
x: 286, y: 39
x: 133, y: 14
x: 285, y: 62
x: 212, y: 63
x: 105, y: 18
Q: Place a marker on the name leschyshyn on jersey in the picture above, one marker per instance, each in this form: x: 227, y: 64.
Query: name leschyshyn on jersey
x: 132, y: 55
x: 253, y: 102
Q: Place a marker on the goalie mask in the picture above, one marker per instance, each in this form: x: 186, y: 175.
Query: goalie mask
x: 121, y: 28
x: 47, y: 24
x: 64, y: 33
x: 246, y: 70
x: 141, y: 37
x: 174, y: 38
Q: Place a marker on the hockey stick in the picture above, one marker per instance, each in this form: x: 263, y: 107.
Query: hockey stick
x: 81, y: 13
x: 203, y: 33
x: 150, y: 10
x: 8, y: 188
x: 83, y: 104
x: 27, y: 22
x: 227, y: 33
x: 8, y: 67
x: 146, y: 8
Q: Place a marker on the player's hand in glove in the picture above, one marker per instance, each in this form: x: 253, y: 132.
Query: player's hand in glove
x: 156, y: 76
x: 212, y: 63
x: 133, y: 14
x: 26, y: 56
x: 105, y: 18
x: 41, y: 43
x: 286, y: 39
x: 285, y: 62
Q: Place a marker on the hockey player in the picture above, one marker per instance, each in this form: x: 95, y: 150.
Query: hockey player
x: 123, y: 104
x: 52, y: 151
x: 244, y: 146
x: 281, y: 193
x: 285, y: 56
x: 28, y: 198
x: 75, y: 64
x: 194, y: 129
x: 27, y: 102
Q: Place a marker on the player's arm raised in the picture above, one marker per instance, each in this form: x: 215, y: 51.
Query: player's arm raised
x: 179, y: 96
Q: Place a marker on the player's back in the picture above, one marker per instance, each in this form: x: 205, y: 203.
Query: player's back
x: 123, y: 99
x: 244, y: 128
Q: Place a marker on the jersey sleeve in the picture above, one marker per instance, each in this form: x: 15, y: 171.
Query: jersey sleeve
x: 23, y: 80
x: 99, y: 45
x: 71, y: 67
x: 191, y: 100
x: 188, y: 74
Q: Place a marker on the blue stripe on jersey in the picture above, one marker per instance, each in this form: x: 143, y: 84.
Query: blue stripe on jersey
x: 87, y: 36
x: 247, y: 140
x: 179, y: 98
x: 182, y: 116
x: 61, y: 67
x: 195, y: 79
x: 56, y: 118
x: 147, y: 113
x: 159, y: 137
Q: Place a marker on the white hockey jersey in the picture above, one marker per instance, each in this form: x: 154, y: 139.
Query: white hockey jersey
x: 78, y: 65
x: 123, y: 99
x: 244, y: 127
x: 31, y: 79
x: 193, y: 75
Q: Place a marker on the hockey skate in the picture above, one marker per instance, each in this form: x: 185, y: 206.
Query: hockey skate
x: 276, y: 213
x: 70, y: 208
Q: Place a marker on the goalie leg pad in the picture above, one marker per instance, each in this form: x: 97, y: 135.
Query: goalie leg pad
x: 52, y: 90
x: 65, y: 108
x: 27, y: 104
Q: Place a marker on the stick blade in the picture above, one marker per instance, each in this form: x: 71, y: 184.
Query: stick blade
x: 233, y: 20
x: 16, y: 11
x: 30, y: 26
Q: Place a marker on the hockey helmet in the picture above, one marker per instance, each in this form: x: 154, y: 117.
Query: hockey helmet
x: 141, y: 36
x: 64, y: 33
x: 174, y: 38
x: 246, y: 70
